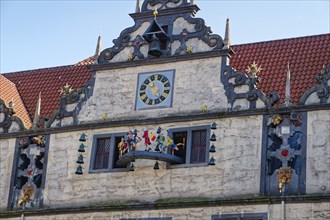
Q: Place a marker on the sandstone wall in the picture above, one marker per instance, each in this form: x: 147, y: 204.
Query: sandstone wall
x: 237, y: 170
x: 7, y: 149
x: 318, y: 152
x: 196, y: 83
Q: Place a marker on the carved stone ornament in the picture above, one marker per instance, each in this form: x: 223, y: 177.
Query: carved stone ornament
x: 322, y: 89
x: 74, y: 97
x: 29, y: 171
x: 232, y: 78
x: 284, y: 177
x: 7, y: 118
x: 149, y: 5
x: 168, y: 12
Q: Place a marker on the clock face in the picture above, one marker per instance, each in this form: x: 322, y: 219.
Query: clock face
x: 155, y: 90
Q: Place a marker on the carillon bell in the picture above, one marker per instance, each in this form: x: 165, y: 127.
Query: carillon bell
x: 213, y: 137
x: 81, y: 148
x: 154, y: 35
x: 213, y: 125
x: 212, y: 149
x: 79, y: 170
x: 212, y: 161
x: 154, y: 48
x: 80, y: 159
x: 156, y: 166
x: 82, y: 137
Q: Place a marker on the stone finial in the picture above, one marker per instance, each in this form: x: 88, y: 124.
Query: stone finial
x: 98, y: 48
x: 37, y: 113
x: 226, y: 41
x: 137, y: 9
x: 192, y: 2
x: 155, y: 13
x: 287, y: 99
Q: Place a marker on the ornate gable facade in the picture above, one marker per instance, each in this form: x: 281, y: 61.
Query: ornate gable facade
x: 173, y: 122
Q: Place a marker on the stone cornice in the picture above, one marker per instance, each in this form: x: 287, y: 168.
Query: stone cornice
x: 172, y: 203
x: 170, y: 59
x: 169, y: 119
x: 166, y: 12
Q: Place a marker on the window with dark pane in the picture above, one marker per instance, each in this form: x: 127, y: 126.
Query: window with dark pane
x: 101, y: 160
x: 181, y: 137
x: 193, y: 144
x: 198, y: 147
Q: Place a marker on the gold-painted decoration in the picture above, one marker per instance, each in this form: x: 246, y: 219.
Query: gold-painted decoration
x: 39, y: 140
x: 284, y: 175
x: 253, y: 69
x: 155, y: 13
x: 189, y: 49
x: 104, y: 117
x: 204, y: 108
x: 65, y: 89
x: 28, y: 191
x: 130, y: 57
x: 274, y: 120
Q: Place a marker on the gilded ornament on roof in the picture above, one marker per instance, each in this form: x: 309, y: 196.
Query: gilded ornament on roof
x: 253, y: 69
x: 65, y: 90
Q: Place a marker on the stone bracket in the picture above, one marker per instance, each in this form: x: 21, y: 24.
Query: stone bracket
x: 129, y: 157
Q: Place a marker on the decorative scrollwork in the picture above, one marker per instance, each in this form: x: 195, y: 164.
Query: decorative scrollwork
x: 322, y: 90
x: 200, y: 32
x: 252, y: 95
x: 163, y: 4
x: 7, y: 118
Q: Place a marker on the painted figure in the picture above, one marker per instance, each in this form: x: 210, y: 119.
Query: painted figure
x: 132, y: 140
x: 147, y: 141
x: 161, y: 147
x: 121, y: 148
x: 171, y: 145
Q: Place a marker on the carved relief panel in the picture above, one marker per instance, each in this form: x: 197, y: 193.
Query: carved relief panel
x: 284, y: 154
x: 29, y: 170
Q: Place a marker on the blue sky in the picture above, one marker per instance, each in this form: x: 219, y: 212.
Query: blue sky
x: 38, y: 34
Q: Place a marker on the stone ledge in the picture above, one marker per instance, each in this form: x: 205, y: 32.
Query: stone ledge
x: 172, y: 203
x: 169, y: 119
x: 163, y: 60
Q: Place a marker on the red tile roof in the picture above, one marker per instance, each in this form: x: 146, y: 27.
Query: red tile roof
x: 48, y: 81
x: 8, y: 92
x: 306, y: 56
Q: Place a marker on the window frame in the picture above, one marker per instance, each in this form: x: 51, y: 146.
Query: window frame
x: 111, y: 153
x: 189, y: 131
